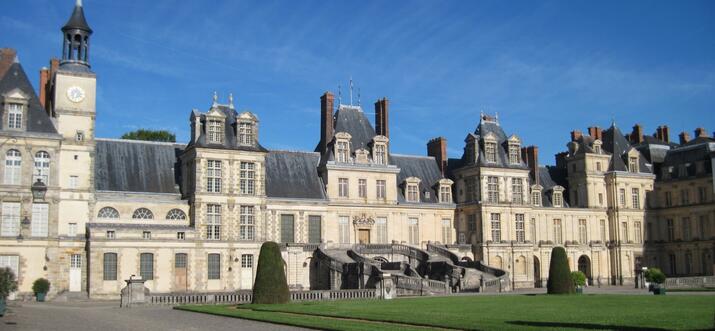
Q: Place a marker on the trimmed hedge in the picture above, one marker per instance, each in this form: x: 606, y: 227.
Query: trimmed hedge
x: 560, y: 281
x: 654, y: 275
x: 271, y: 285
x: 41, y: 285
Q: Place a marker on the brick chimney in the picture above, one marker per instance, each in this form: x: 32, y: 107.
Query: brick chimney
x: 530, y: 155
x: 382, y: 107
x: 326, y: 120
x: 576, y: 135
x: 561, y: 160
x: 684, y: 137
x: 637, y: 134
x: 45, y: 87
x: 595, y: 132
x: 700, y: 132
x: 437, y: 148
x: 7, y: 58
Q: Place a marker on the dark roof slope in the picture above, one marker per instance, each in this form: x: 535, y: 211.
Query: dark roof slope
x: 37, y: 119
x: 230, y: 140
x: 549, y: 177
x: 483, y: 129
x: 293, y: 175
x: 352, y: 120
x: 77, y: 20
x: 616, y: 143
x: 136, y: 166
x: 423, y: 167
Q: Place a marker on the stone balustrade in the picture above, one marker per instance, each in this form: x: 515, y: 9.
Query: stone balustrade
x: 243, y: 297
x: 690, y: 282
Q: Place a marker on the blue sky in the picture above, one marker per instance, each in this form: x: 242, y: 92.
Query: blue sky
x: 546, y: 67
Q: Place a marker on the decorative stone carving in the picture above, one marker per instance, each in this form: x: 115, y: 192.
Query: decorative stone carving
x: 363, y: 221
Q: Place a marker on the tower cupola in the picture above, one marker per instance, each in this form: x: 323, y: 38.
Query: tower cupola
x: 75, y: 47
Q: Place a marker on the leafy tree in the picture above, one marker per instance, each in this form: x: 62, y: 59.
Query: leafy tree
x: 654, y: 275
x: 578, y: 278
x: 8, y: 284
x: 271, y: 285
x: 150, y: 135
x: 559, y: 275
x: 41, y: 285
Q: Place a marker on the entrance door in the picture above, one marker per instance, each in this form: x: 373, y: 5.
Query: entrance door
x: 180, y: 262
x: 246, y: 271
x: 364, y: 236
x: 75, y: 273
x: 584, y: 265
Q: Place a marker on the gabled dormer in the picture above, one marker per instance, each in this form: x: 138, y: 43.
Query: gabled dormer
x: 557, y: 196
x: 342, y: 147
x: 443, y: 187
x: 15, y: 104
x: 411, y: 189
x: 597, y: 146
x: 214, y: 130
x: 536, y: 195
x: 380, y: 150
x: 246, y: 129
x: 490, y: 148
x: 513, y: 147
x: 633, y: 160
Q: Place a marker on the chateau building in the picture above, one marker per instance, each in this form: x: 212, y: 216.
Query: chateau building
x: 88, y: 213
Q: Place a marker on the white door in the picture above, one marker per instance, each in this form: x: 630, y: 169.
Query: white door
x: 246, y: 271
x: 76, y: 273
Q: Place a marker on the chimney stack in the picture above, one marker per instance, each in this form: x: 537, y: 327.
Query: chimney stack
x: 576, y: 135
x: 326, y: 120
x: 561, y: 160
x: 44, y: 80
x: 437, y: 148
x: 637, y: 134
x: 530, y: 155
x: 700, y: 132
x: 7, y: 58
x: 595, y: 132
x: 684, y: 137
x: 382, y: 117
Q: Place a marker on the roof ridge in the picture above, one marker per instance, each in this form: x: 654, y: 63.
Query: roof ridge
x: 292, y: 151
x: 408, y: 155
x: 140, y: 141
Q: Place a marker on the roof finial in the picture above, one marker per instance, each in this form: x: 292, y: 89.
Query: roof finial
x: 230, y: 100
x: 358, y: 97
x: 351, y: 90
x: 613, y: 121
x: 78, y: 3
x: 16, y: 59
x: 215, y: 103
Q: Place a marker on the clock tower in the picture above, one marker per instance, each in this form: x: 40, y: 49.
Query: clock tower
x: 72, y: 94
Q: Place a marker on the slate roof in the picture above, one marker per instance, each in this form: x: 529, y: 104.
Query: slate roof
x: 352, y: 120
x: 485, y: 128
x: 550, y: 176
x: 423, y: 167
x: 688, y: 155
x: 136, y: 166
x: 37, y: 119
x: 615, y: 142
x: 230, y: 140
x: 293, y: 175
x: 77, y: 20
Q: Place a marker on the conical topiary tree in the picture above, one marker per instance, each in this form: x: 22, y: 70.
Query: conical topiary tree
x: 271, y: 285
x: 559, y: 274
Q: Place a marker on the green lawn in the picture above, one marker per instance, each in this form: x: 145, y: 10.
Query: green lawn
x: 636, y: 312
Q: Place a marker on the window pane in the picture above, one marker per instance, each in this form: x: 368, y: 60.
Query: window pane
x: 314, y: 229
x: 287, y: 229
x: 214, y: 265
x: 110, y: 266
x: 146, y: 266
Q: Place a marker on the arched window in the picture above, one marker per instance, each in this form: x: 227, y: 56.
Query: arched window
x: 143, y: 214
x: 42, y: 167
x: 108, y: 212
x: 176, y: 214
x: 13, y: 167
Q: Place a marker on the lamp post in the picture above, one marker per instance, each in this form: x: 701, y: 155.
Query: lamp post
x: 39, y: 189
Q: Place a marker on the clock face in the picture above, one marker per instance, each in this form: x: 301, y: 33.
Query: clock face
x: 75, y: 94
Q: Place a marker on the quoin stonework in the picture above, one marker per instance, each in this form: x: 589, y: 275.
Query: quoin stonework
x: 88, y: 213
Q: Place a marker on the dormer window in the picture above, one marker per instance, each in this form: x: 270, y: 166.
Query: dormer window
x: 536, y: 198
x: 597, y: 147
x: 445, y: 190
x: 490, y: 151
x: 342, y: 147
x: 215, y: 131
x: 558, y: 198
x: 633, y: 164
x: 380, y: 155
x: 514, y: 144
x: 245, y: 133
x: 412, y: 192
x: 14, y: 116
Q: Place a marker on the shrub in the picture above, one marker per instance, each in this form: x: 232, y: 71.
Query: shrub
x: 8, y: 284
x: 41, y: 285
x: 559, y: 275
x: 654, y: 275
x: 578, y: 278
x: 271, y: 285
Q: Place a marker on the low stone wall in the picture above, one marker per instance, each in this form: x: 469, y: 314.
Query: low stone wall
x: 242, y: 297
x: 690, y: 282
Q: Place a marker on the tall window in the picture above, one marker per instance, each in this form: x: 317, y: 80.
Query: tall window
x: 598, y: 165
x: 446, y: 231
x: 536, y: 198
x: 519, y: 226
x: 343, y: 187
x: 40, y: 216
x: 287, y: 228
x: 622, y: 197
x: 42, y: 167
x: 558, y: 234
x: 490, y: 149
x: 684, y: 197
x: 445, y: 194
x: 214, y: 266
x: 110, y: 266
x: 248, y: 178
x: 624, y: 231
x: 582, y: 231
x: 688, y: 262
x: 492, y: 189
x: 638, y: 231
x: 245, y: 133
x: 362, y: 188
x: 213, y: 176
x: 412, y: 193
x: 10, y: 219
x: 380, y: 154
x: 215, y: 131
x: 686, y: 228
x: 517, y: 190
x: 496, y: 227
x: 146, y: 266
x: 381, y: 228
x: 247, y: 223
x: 671, y: 260
x: 513, y: 154
x: 636, y: 198
x: 314, y: 229
x: 414, y: 230
x: 14, y: 118
x: 13, y: 167
x: 558, y: 198
x: 381, y: 189
x: 633, y: 164
x: 343, y: 151
x: 668, y: 199
x: 604, y: 237
x: 670, y: 229
x: 344, y: 229
x: 597, y: 150
x: 470, y: 186
x: 213, y: 222
x: 246, y: 261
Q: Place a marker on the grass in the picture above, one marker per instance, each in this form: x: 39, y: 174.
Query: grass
x: 637, y: 312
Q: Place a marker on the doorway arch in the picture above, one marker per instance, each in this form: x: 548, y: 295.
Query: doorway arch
x: 584, y: 265
x: 537, y: 272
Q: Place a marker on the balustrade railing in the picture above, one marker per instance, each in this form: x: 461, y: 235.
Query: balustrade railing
x: 690, y: 282
x: 241, y: 297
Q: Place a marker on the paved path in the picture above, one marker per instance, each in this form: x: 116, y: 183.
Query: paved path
x: 107, y: 316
